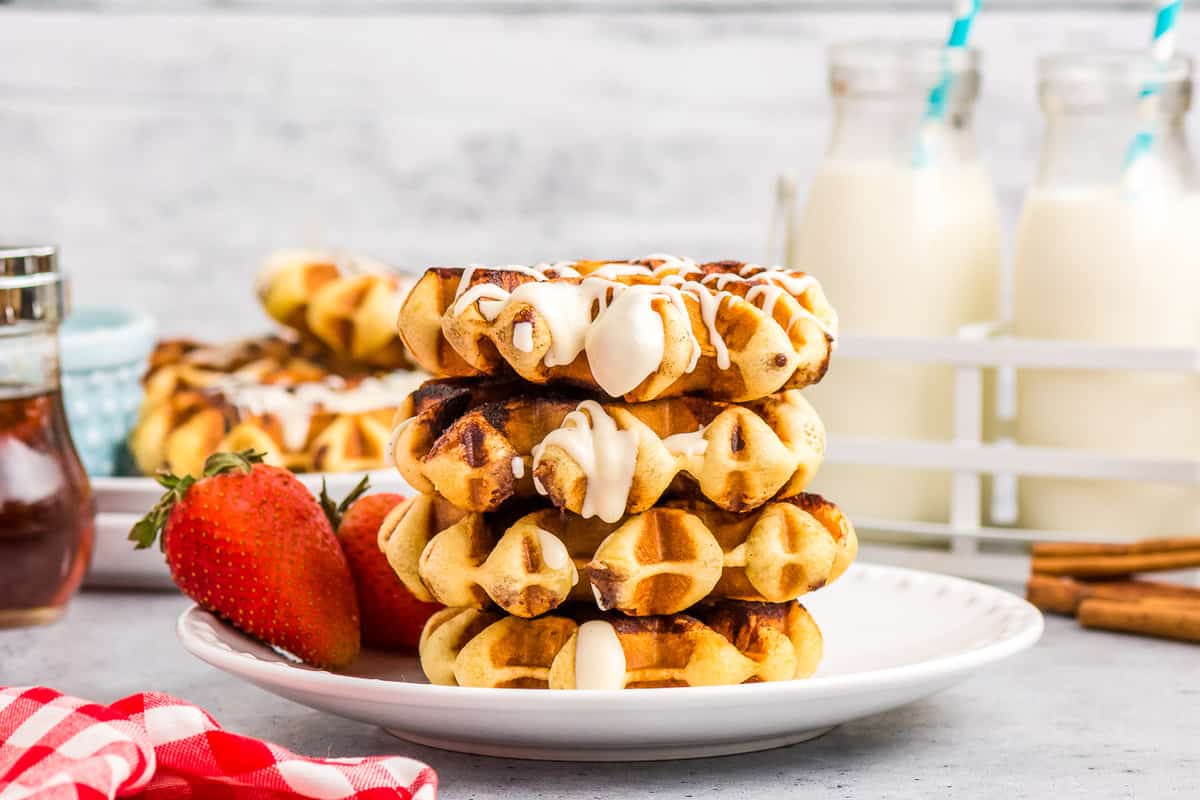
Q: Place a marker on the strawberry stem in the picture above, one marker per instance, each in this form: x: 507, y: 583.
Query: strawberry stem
x: 334, y: 511
x: 148, y: 528
x: 220, y: 463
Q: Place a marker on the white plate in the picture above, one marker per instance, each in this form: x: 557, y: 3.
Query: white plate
x: 892, y: 636
x: 120, y: 502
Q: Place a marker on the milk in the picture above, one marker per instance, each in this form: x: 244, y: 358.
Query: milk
x: 1099, y: 265
x: 900, y: 251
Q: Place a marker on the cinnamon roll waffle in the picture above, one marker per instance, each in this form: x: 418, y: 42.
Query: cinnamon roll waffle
x: 267, y: 395
x: 479, y: 443
x: 660, y: 561
x: 724, y: 643
x: 658, y: 327
x: 347, y: 306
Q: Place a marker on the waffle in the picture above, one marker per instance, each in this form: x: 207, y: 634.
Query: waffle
x: 729, y: 642
x: 640, y: 330
x: 661, y: 561
x: 347, y: 305
x: 180, y: 365
x: 480, y: 443
x: 261, y: 394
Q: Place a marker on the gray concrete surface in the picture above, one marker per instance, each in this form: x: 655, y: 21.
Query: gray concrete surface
x: 1082, y: 715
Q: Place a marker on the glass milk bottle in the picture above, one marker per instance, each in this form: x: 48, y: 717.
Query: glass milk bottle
x: 1106, y: 255
x: 906, y: 242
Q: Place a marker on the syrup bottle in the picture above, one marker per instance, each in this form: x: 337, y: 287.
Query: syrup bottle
x: 47, y: 515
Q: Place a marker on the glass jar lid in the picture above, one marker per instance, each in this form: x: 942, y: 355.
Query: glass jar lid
x: 31, y: 286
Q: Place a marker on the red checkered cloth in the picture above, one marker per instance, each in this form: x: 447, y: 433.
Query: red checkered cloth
x: 156, y: 747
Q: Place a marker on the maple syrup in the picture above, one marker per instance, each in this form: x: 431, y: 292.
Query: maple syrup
x: 46, y: 513
x: 47, y: 522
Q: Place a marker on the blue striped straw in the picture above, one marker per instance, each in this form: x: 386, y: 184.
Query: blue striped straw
x: 965, y: 12
x: 1162, y: 49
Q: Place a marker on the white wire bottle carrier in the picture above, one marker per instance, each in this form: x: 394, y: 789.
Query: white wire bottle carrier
x: 964, y: 545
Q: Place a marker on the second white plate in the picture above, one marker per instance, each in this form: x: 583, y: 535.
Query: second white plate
x: 120, y: 502
x: 892, y: 636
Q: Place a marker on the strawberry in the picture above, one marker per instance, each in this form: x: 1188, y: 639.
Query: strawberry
x: 391, y: 617
x: 250, y: 543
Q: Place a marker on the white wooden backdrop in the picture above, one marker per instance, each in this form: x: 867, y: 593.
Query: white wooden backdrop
x: 168, y: 146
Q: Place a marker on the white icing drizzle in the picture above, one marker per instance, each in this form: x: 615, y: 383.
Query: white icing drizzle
x: 554, y: 552
x: 518, y: 467
x: 294, y: 406
x: 687, y: 444
x: 616, y: 324
x: 605, y: 454
x: 567, y: 309
x: 558, y: 269
x: 466, y: 294
x: 522, y: 337
x: 625, y: 343
x: 486, y: 294
x: 599, y: 657
x: 721, y: 279
x: 796, y: 283
x: 709, y: 304
x: 770, y: 291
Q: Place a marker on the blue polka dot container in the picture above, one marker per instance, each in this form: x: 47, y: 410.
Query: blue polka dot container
x: 104, y: 354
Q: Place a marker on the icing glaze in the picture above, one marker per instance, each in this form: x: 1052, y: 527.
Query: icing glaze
x: 625, y: 344
x: 522, y: 337
x: 605, y: 454
x: 554, y: 552
x: 294, y: 406
x: 599, y: 657
x: 687, y: 444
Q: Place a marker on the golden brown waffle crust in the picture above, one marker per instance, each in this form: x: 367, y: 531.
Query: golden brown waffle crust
x: 479, y: 443
x: 661, y: 561
x: 726, y: 642
x: 655, y: 327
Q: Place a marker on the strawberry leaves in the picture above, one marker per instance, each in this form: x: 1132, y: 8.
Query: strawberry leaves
x: 333, y: 510
x: 148, y: 528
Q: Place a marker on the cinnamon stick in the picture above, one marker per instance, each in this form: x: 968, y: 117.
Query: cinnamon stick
x: 1062, y: 595
x: 1165, y: 618
x: 1116, y: 565
x: 1163, y: 545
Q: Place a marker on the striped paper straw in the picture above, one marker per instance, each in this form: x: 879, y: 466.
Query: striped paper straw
x: 965, y: 12
x: 1162, y: 49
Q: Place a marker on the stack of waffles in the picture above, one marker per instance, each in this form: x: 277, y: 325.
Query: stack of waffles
x: 611, y: 465
x: 320, y: 397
